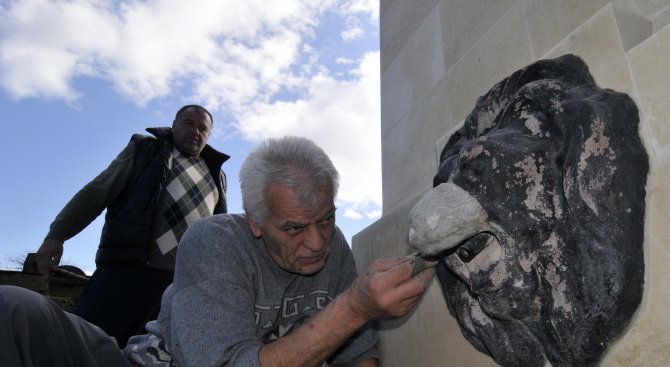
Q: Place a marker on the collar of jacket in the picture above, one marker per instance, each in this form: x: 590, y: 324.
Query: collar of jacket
x: 208, y: 153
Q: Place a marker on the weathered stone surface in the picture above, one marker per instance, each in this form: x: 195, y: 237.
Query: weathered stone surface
x: 555, y: 270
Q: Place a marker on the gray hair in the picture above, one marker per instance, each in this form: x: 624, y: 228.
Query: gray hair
x: 291, y: 161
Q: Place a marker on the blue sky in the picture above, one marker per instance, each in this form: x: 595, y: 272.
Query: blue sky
x: 78, y: 78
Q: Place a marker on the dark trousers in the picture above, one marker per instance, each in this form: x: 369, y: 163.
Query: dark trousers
x: 35, y: 332
x: 121, y: 299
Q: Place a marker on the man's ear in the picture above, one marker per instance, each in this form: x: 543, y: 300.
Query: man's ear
x: 255, y: 229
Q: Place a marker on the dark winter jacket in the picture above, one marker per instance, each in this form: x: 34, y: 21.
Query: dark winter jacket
x: 127, y: 233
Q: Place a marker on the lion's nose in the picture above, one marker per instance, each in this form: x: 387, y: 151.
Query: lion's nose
x: 443, y: 218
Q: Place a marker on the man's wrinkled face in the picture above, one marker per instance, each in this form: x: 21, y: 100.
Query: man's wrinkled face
x: 191, y: 130
x: 297, y: 238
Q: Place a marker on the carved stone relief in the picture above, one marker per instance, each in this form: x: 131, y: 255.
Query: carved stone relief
x: 537, y: 217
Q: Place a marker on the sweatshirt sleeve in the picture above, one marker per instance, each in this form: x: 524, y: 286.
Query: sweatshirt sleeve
x: 363, y: 344
x: 212, y: 320
x: 92, y: 199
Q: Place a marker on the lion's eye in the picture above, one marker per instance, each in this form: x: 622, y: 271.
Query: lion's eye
x: 474, y: 246
x: 474, y: 170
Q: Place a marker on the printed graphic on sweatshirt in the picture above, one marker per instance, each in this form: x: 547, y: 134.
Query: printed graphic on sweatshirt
x: 275, y: 321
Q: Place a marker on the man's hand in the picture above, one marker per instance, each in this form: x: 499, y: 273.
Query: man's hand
x: 387, y: 289
x: 48, y: 256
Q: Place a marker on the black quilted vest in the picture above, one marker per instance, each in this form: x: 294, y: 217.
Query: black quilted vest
x: 126, y: 234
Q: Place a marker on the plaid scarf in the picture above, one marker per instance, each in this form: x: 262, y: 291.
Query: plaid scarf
x: 190, y: 195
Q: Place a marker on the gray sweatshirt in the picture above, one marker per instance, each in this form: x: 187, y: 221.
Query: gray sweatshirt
x: 229, y: 298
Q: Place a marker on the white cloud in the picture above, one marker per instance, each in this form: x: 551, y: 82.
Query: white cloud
x: 351, y: 10
x: 343, y: 117
x: 355, y: 7
x: 44, y: 45
x: 144, y: 48
x: 374, y: 214
x: 352, y: 33
x: 352, y: 214
x: 344, y: 61
x: 253, y: 58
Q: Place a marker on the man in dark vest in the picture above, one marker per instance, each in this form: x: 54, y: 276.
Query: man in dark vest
x: 154, y: 189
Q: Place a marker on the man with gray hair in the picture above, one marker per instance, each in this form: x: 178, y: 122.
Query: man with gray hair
x: 277, y: 285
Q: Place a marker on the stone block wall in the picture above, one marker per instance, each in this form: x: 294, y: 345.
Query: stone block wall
x: 437, y: 58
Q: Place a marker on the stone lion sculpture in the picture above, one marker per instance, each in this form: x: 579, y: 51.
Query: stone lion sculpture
x: 537, y: 217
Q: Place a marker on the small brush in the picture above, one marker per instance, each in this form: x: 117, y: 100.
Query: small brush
x: 421, y: 264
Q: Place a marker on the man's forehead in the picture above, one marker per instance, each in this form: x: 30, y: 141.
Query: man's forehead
x: 302, y: 215
x: 284, y: 207
x: 195, y: 114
